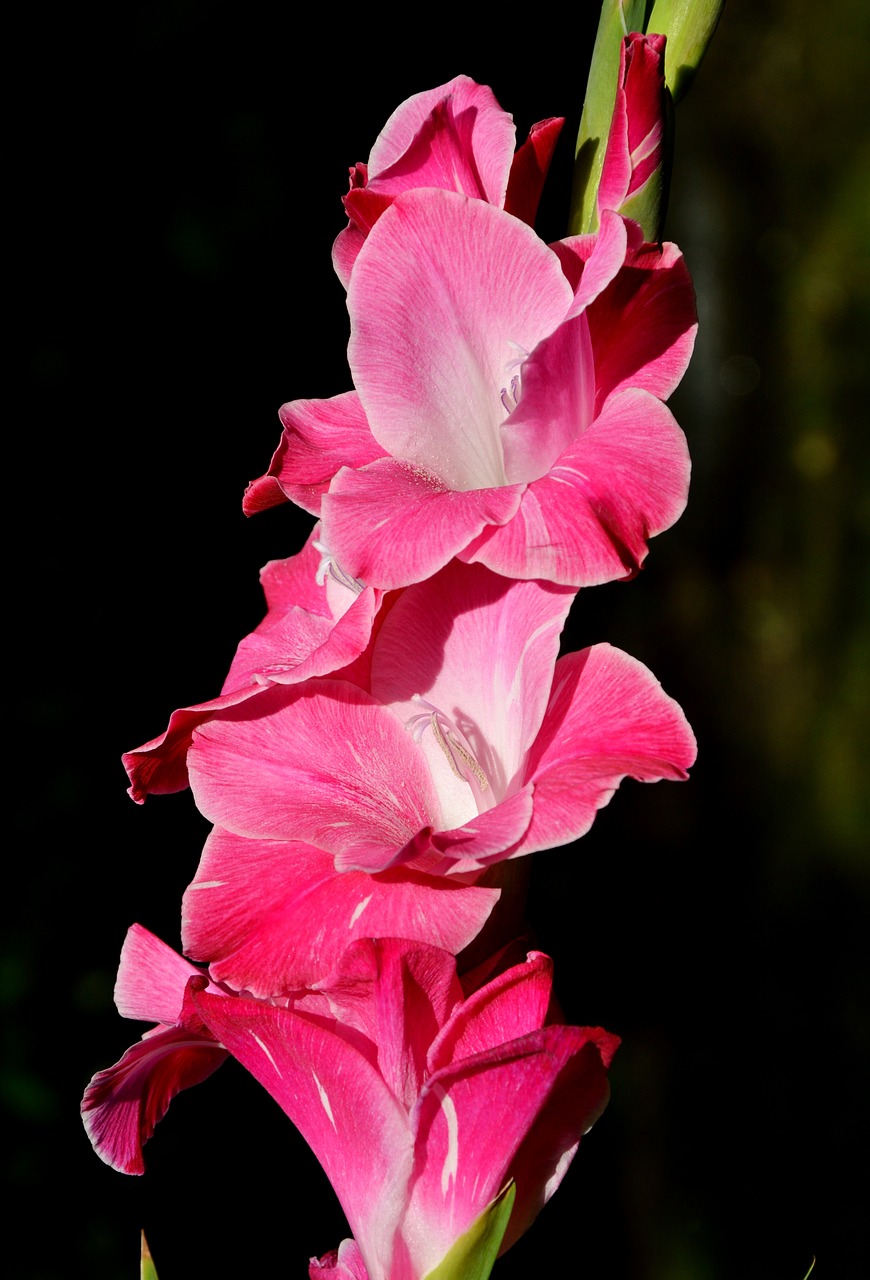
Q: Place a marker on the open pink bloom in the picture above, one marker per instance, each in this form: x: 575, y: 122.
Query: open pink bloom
x: 635, y: 146
x: 456, y: 742
x: 420, y: 1102
x: 457, y: 138
x: 508, y: 406
x: 317, y: 621
x: 420, y: 1096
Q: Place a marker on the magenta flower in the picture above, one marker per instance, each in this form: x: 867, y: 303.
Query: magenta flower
x: 456, y: 138
x: 508, y: 406
x: 457, y: 741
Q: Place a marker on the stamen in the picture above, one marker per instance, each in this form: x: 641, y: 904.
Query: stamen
x: 329, y: 565
x: 462, y: 760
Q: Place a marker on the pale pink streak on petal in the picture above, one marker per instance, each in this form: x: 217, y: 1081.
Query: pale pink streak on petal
x: 343, y: 1263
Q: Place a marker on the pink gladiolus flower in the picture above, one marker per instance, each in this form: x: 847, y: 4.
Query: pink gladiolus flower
x: 420, y: 1097
x: 508, y: 406
x: 456, y: 742
x: 317, y: 621
x: 456, y: 138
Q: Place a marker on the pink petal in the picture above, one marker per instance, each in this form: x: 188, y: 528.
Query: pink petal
x: 152, y: 978
x: 321, y: 762
x: 343, y: 1263
x: 339, y: 1102
x: 309, y: 630
x: 529, y: 169
x: 511, y: 1006
x: 588, y: 521
x: 455, y: 136
x: 390, y: 524
x: 122, y: 1105
x: 642, y: 320
x: 319, y: 437
x: 469, y: 1123
x: 272, y: 916
x: 608, y: 719
x: 577, y: 1098
x: 431, y: 350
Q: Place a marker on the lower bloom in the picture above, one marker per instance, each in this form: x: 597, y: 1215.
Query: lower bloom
x: 421, y: 1094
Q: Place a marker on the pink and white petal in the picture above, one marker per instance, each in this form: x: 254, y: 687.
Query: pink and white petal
x: 320, y: 762
x: 591, y: 262
x: 492, y: 836
x: 529, y: 169
x: 557, y: 402
x: 455, y: 136
x: 390, y: 524
x: 337, y: 1099
x: 159, y: 767
x: 343, y: 1263
x: 608, y: 719
x: 123, y: 1104
x: 512, y: 1005
x: 634, y: 144
x: 430, y: 348
x: 469, y: 1123
x: 345, y: 251
x: 275, y: 916
x: 319, y: 436
x: 577, y: 1098
x: 588, y: 521
x: 447, y: 622
x: 152, y: 978
x: 398, y: 994
x: 643, y: 325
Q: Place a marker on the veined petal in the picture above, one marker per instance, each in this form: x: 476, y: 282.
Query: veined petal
x: 446, y: 295
x: 122, y: 1104
x: 272, y: 916
x: 152, y: 978
x: 338, y: 1101
x: 608, y: 719
x: 469, y: 1123
x: 643, y: 320
x: 455, y: 136
x: 321, y: 762
x: 319, y: 436
x: 510, y: 1006
x: 589, y: 519
x: 390, y: 524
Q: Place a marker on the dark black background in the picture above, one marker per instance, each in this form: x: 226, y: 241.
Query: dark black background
x: 177, y: 169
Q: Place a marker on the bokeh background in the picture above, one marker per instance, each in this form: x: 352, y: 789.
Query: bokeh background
x: 178, y: 167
